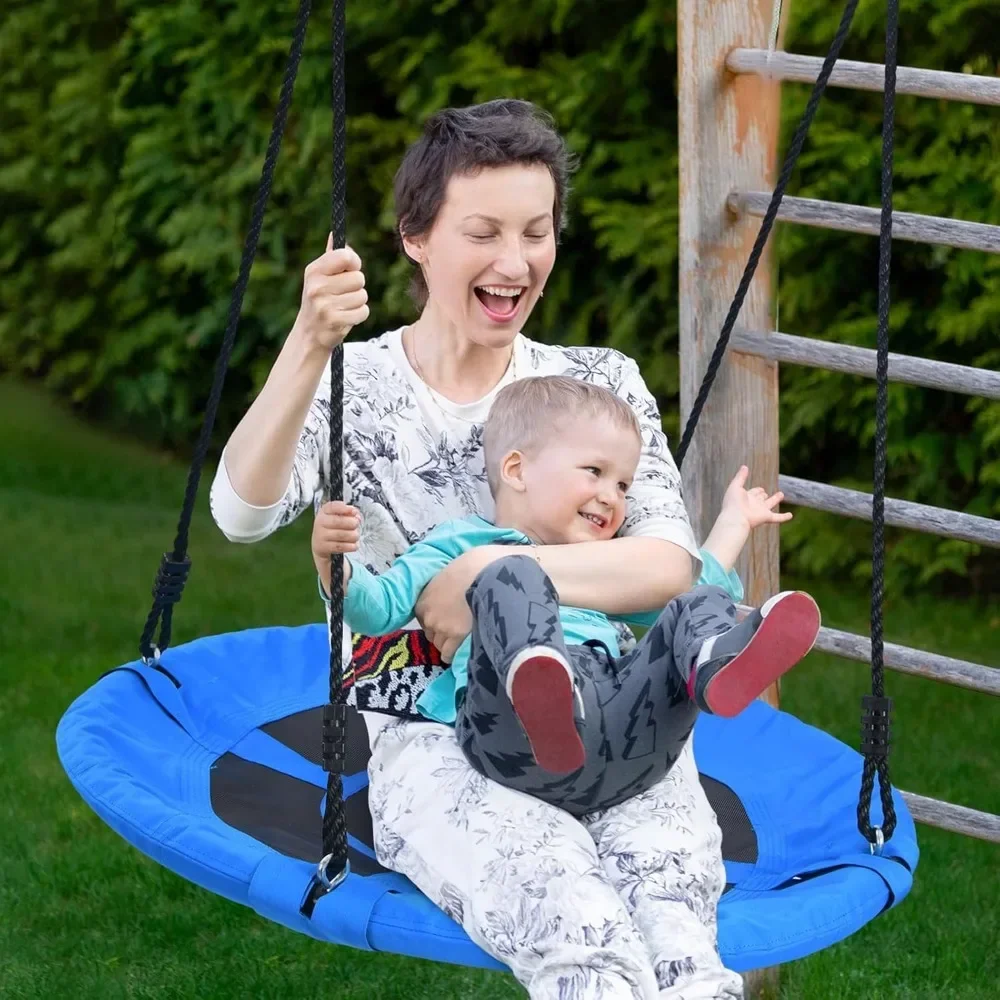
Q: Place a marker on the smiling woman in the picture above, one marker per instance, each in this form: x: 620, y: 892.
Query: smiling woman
x: 487, y: 271
x: 480, y: 203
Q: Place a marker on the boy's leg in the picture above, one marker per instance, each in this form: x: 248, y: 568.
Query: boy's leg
x: 695, y: 657
x: 728, y: 664
x: 521, y: 877
x: 725, y: 664
x: 662, y: 850
x: 519, y: 653
x: 517, y: 723
x: 495, y: 741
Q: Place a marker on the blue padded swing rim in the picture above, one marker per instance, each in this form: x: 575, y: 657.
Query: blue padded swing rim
x: 384, y: 915
x: 869, y: 897
x: 407, y: 924
x: 278, y: 884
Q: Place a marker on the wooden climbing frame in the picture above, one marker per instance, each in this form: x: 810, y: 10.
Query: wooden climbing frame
x: 729, y: 113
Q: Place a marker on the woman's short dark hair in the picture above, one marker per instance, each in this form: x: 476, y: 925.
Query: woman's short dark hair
x: 464, y: 141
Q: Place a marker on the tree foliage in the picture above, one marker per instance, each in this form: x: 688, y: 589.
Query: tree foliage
x: 131, y: 143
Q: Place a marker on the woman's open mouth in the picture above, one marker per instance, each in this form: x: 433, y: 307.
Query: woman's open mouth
x: 499, y: 302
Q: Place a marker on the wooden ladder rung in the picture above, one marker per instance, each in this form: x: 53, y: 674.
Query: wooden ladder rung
x: 957, y: 819
x: 861, y: 361
x: 899, y: 513
x: 906, y: 660
x: 861, y: 219
x: 867, y: 76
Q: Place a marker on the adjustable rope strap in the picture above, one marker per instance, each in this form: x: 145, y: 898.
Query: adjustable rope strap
x: 175, y: 565
x: 877, y: 708
x: 876, y: 720
x: 334, y: 868
x: 765, y: 229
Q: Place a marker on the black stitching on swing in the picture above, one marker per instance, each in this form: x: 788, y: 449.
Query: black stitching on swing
x: 819, y: 872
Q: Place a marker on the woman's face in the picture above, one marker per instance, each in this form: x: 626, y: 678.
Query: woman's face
x: 490, y: 252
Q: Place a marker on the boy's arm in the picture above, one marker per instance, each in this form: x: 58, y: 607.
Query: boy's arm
x: 726, y: 539
x: 377, y: 604
x: 742, y: 511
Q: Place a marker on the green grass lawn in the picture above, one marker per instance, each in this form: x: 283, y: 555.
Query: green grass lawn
x: 83, y: 521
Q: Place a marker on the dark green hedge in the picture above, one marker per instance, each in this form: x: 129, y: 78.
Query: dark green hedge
x: 131, y: 140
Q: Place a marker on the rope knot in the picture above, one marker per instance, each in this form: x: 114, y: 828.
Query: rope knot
x: 170, y: 580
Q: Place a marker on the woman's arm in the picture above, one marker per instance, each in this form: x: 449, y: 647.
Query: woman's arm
x: 261, y: 450
x: 255, y: 475
x: 713, y: 574
x: 655, y: 559
x: 620, y: 575
x: 277, y: 458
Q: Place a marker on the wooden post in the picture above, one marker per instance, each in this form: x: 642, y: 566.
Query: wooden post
x: 728, y: 129
x: 728, y: 137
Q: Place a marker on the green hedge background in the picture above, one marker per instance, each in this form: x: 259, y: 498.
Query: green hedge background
x: 131, y: 140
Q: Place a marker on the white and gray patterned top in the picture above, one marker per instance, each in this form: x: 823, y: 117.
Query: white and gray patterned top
x: 413, y: 459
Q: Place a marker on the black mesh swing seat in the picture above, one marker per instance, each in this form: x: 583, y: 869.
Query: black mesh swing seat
x: 234, y: 761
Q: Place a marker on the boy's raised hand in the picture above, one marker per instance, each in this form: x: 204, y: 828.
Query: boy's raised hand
x: 754, y: 506
x: 337, y: 528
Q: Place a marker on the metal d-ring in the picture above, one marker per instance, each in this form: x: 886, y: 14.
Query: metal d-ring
x: 876, y: 848
x: 330, y: 884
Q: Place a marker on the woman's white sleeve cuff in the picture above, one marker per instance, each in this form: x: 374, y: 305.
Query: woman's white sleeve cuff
x: 238, y: 520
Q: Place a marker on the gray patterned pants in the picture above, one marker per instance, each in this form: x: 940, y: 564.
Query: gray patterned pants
x: 637, y: 714
x: 615, y: 905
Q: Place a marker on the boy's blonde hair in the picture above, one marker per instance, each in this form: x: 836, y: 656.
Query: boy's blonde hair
x: 523, y: 415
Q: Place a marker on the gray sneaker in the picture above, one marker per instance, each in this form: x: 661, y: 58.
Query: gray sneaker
x: 738, y: 665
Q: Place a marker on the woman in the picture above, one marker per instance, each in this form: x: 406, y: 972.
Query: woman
x: 615, y: 906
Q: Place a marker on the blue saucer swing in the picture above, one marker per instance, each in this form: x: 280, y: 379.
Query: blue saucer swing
x: 234, y: 760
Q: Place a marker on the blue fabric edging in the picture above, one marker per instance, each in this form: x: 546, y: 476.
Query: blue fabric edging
x: 140, y: 750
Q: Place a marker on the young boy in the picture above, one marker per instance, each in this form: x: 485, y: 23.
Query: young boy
x: 539, y: 694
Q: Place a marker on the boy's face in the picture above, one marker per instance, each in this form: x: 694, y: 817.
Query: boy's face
x: 573, y: 488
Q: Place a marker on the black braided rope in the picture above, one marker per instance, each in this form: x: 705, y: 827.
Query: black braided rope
x: 165, y: 595
x: 765, y: 229
x: 334, y: 751
x: 876, y: 716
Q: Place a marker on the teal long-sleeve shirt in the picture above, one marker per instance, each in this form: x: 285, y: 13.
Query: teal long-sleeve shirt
x: 377, y: 604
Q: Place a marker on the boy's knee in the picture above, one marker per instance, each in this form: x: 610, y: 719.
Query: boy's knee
x: 705, y: 597
x: 514, y: 567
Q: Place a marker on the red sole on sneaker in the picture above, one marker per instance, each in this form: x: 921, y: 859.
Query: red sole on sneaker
x: 783, y: 639
x: 542, y: 696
